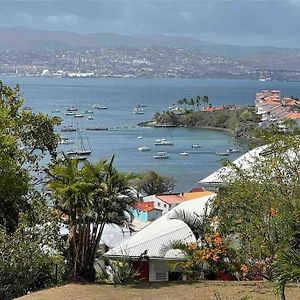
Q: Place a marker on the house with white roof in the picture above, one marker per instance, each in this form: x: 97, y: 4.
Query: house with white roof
x: 244, y: 162
x: 153, y: 238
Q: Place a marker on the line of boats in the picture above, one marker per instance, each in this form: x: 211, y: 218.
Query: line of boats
x: 165, y: 155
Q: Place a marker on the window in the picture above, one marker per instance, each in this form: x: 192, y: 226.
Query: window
x: 165, y: 205
x: 158, y: 203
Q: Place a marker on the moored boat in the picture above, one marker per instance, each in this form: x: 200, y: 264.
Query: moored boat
x: 138, y: 110
x: 163, y: 142
x: 144, y: 148
x: 72, y: 108
x: 184, y: 153
x: 99, y: 106
x: 233, y: 150
x: 69, y: 128
x: 196, y: 146
x: 161, y: 155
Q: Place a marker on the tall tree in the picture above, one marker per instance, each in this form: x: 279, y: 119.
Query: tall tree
x: 90, y: 197
x: 205, y: 100
x: 24, y: 138
x: 152, y: 183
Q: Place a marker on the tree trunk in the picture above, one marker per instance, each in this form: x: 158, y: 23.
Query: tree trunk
x: 282, y: 293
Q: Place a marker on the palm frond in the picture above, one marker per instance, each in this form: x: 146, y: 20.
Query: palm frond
x: 286, y: 269
x: 196, y: 222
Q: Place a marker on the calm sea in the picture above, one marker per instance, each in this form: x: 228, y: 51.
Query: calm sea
x: 122, y: 95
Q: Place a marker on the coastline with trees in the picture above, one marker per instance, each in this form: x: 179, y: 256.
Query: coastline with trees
x: 199, y: 113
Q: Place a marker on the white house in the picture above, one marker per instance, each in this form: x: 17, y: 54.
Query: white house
x: 152, y: 239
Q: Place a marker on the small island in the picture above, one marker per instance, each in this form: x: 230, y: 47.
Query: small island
x: 200, y: 113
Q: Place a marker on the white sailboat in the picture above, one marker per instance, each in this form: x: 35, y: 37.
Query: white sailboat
x: 83, y: 148
x: 165, y: 142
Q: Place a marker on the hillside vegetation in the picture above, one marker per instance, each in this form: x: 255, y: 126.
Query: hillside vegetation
x: 239, y: 121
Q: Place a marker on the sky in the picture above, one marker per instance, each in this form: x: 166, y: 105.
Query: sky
x: 237, y: 22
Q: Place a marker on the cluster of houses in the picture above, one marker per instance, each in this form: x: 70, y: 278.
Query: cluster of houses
x: 276, y: 109
x: 211, y: 108
x: 147, y: 248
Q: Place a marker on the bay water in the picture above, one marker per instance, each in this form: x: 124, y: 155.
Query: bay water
x: 121, y: 96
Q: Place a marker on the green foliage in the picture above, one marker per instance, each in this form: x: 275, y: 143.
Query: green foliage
x: 241, y: 121
x: 152, y: 183
x: 21, y: 135
x: 286, y: 268
x: 29, y: 260
x: 120, y: 271
x: 89, y: 196
x: 260, y: 206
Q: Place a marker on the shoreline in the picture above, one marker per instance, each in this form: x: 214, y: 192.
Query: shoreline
x: 152, y: 124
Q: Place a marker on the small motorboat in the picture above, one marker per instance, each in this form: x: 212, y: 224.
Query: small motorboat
x: 68, y: 129
x: 196, y: 146
x: 163, y: 142
x: 144, y: 148
x: 55, y: 111
x: 233, y: 150
x: 90, y: 118
x: 78, y: 116
x: 72, y: 108
x: 66, y: 142
x: 99, y: 106
x: 139, y: 137
x: 69, y: 113
x: 184, y: 153
x: 161, y: 155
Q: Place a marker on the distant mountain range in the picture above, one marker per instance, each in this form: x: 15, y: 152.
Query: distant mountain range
x: 25, y: 38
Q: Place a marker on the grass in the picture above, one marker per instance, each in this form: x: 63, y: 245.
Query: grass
x: 211, y: 290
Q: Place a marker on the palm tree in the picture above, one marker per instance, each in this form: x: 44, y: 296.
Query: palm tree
x: 205, y: 100
x: 90, y: 197
x: 192, y: 103
x: 198, y: 101
x: 286, y: 269
x: 185, y: 102
x: 192, y: 264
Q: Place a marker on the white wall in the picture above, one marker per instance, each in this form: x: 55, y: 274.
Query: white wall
x: 158, y: 271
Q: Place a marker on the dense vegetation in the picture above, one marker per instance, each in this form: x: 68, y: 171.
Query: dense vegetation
x: 239, y: 121
x: 252, y: 230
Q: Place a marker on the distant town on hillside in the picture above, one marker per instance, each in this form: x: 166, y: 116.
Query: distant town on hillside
x: 28, y: 52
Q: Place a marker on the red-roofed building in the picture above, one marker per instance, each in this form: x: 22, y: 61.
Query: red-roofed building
x: 145, y: 211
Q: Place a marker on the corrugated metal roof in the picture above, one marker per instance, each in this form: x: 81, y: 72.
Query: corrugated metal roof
x: 160, y: 233
x: 243, y: 162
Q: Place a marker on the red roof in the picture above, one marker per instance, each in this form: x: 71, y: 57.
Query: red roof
x: 170, y: 199
x: 144, y: 206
